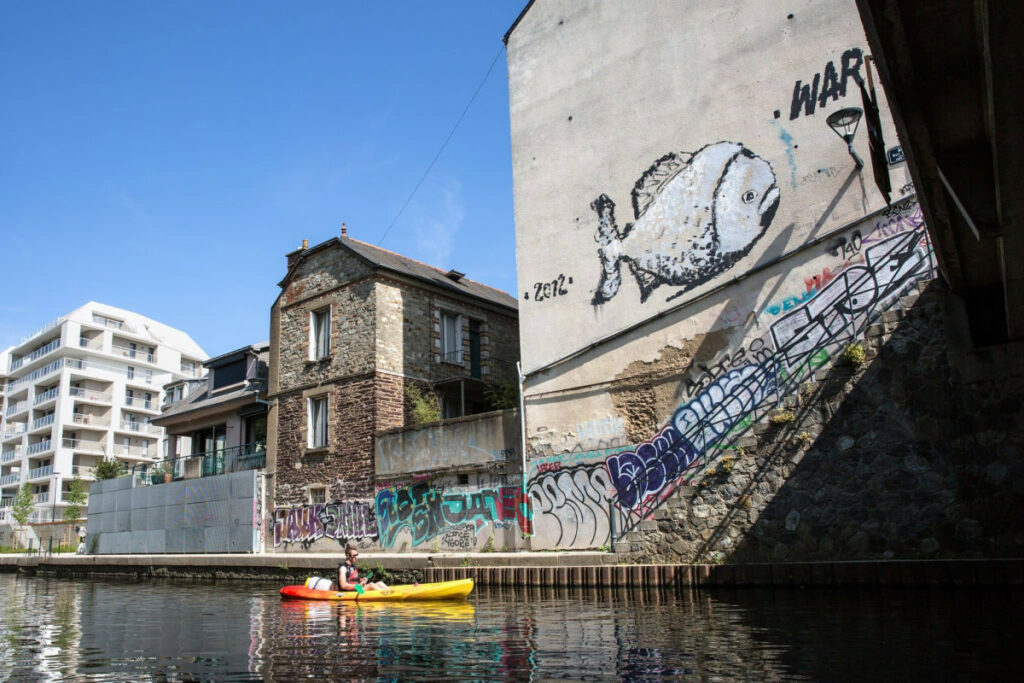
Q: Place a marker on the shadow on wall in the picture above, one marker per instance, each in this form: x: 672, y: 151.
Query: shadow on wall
x: 899, y: 458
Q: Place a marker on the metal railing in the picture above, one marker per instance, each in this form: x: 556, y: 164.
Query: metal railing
x: 194, y: 371
x: 85, y: 445
x: 12, y: 478
x: 136, y: 402
x: 92, y: 395
x: 11, y: 454
x: 489, y: 370
x: 83, y: 471
x: 134, y: 376
x: 15, y: 431
x: 248, y: 456
x: 17, y: 363
x: 140, y: 427
x: 39, y: 472
x: 43, y: 497
x: 46, y: 396
x: 43, y: 350
x: 43, y: 421
x: 111, y: 323
x: 6, y: 502
x: 16, y: 408
x: 134, y: 451
x: 95, y: 343
x: 36, y: 374
x: 88, y: 420
x: 129, y: 352
x: 39, y: 447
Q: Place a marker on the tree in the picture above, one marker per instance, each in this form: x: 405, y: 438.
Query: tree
x: 109, y: 469
x: 75, y: 497
x: 23, y: 504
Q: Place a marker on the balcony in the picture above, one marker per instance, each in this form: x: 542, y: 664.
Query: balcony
x: 249, y: 456
x: 85, y: 446
x: 93, y: 344
x: 84, y: 472
x: 191, y: 371
x: 43, y: 497
x: 17, y: 363
x: 141, y: 452
x: 41, y: 422
x: 6, y: 514
x: 111, y: 323
x: 40, y: 472
x: 88, y: 420
x: 92, y: 395
x: 11, y: 479
x: 136, y: 353
x: 46, y: 396
x: 14, y: 432
x: 10, y: 455
x: 18, y: 407
x: 139, y: 427
x: 43, y: 350
x: 44, y: 515
x: 141, y: 403
x: 40, y: 447
x: 18, y: 384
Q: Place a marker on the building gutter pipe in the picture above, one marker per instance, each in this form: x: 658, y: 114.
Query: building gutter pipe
x: 522, y: 426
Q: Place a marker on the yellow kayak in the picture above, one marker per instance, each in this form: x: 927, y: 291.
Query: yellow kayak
x: 445, y: 590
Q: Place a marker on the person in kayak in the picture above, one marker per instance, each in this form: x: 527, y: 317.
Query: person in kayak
x: 348, y: 574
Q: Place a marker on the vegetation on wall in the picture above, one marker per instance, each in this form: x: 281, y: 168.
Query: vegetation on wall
x: 502, y: 396
x: 426, y: 406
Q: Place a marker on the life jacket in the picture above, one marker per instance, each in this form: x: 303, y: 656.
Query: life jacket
x: 349, y: 573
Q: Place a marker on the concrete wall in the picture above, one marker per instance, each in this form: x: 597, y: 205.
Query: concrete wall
x: 474, y: 440
x: 217, y: 514
x: 693, y: 240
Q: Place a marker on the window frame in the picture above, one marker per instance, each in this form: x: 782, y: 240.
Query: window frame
x: 452, y: 355
x: 318, y: 489
x: 312, y: 429
x: 320, y: 334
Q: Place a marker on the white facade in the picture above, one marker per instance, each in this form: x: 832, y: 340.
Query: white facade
x: 80, y: 390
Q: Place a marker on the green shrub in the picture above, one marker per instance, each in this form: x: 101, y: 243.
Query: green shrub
x: 853, y: 355
x: 782, y: 417
x: 109, y: 469
x: 426, y: 406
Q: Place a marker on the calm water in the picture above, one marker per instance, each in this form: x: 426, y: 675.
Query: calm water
x: 55, y: 629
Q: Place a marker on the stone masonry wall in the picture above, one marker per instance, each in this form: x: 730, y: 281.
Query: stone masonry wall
x: 898, y: 458
x: 345, y: 467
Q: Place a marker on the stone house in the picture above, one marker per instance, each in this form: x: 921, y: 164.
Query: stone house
x: 352, y: 327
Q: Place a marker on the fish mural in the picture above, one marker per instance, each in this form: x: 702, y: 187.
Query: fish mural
x: 695, y: 216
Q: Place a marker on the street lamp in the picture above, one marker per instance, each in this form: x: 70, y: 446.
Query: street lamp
x: 844, y: 123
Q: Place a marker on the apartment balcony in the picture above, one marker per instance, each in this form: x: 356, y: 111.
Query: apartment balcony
x: 249, y: 456
x: 140, y: 378
x: 40, y: 472
x: 14, y: 432
x: 84, y: 472
x: 10, y: 455
x: 92, y: 396
x: 134, y: 354
x: 85, y: 446
x: 86, y: 420
x: 91, y: 344
x: 19, y: 407
x: 39, y: 448
x: 46, y: 397
x: 110, y: 323
x: 143, y: 428
x: 6, y: 515
x: 22, y: 383
x: 134, y: 452
x: 142, y: 403
x: 43, y: 497
x: 44, y: 350
x: 17, y: 363
x: 6, y: 502
x: 194, y: 371
x: 41, y: 423
x: 44, y: 515
x: 12, y: 479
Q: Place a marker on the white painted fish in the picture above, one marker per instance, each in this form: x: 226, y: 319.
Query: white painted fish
x: 696, y: 216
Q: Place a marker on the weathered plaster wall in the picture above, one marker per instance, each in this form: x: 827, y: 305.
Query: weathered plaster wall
x: 459, y: 443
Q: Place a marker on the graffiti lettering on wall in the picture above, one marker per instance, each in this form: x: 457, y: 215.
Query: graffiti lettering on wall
x: 758, y: 352
x: 802, y: 341
x: 832, y: 84
x: 427, y: 511
x: 695, y: 216
x: 461, y: 537
x: 571, y: 505
x: 337, y: 521
x: 549, y: 290
x: 609, y: 426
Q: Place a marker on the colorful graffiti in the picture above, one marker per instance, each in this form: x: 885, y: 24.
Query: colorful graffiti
x: 338, y: 521
x: 571, y: 502
x: 427, y: 511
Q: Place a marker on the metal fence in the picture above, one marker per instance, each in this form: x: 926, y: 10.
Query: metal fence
x: 248, y: 456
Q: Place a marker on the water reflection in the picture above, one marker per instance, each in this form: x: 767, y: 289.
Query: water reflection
x: 114, y: 630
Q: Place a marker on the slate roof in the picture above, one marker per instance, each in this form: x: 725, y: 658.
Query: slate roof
x: 389, y: 260
x: 200, y: 399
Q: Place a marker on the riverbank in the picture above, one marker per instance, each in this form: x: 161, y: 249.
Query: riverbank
x: 594, y: 569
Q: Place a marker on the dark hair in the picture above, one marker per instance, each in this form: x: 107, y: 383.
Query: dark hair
x: 351, y: 548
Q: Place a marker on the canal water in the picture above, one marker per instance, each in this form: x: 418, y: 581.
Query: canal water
x: 119, y: 630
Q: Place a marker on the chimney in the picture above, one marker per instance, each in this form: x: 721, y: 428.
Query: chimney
x: 344, y: 230
x: 293, y: 257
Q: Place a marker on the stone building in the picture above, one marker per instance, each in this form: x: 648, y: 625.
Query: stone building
x: 353, y: 326
x: 725, y: 300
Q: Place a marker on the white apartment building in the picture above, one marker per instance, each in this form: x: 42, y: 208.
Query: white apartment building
x: 80, y: 390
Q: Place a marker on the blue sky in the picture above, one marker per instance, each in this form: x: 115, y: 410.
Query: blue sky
x: 163, y: 157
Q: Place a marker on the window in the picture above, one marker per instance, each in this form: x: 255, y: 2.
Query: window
x: 320, y: 333
x: 317, y: 494
x: 317, y: 422
x: 130, y: 372
x: 231, y: 373
x: 451, y: 343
